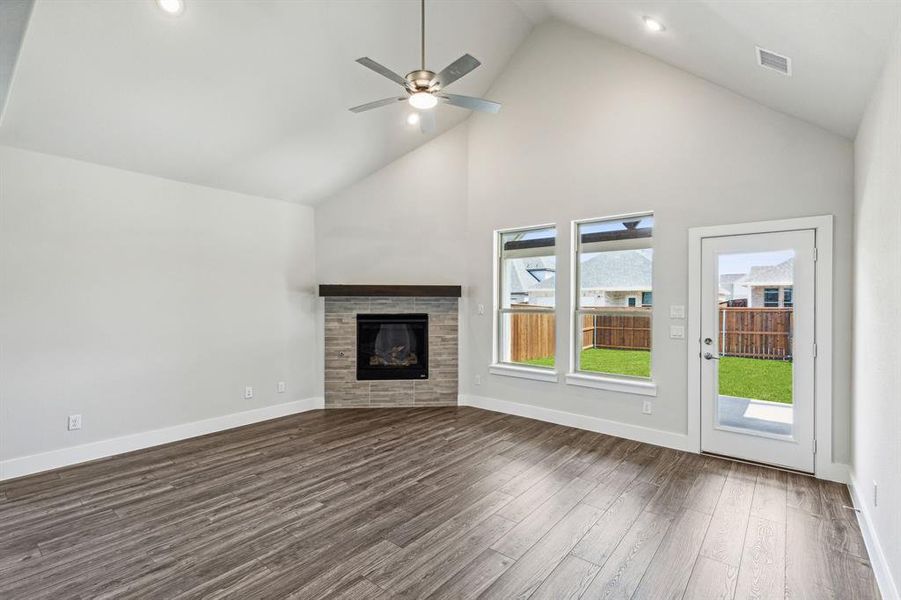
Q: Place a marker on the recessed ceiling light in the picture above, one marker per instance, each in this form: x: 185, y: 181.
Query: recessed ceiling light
x: 653, y: 24
x: 171, y: 7
x: 413, y: 119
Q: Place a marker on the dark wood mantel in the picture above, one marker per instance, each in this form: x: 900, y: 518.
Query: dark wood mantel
x: 424, y: 291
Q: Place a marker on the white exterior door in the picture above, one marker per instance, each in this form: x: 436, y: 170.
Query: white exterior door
x: 757, y: 347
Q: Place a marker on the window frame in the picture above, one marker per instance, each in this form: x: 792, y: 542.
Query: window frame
x: 790, y: 302
x: 498, y: 365
x: 644, y: 386
x: 771, y: 290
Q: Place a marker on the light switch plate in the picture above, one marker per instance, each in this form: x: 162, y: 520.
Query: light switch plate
x: 677, y: 332
x: 677, y: 311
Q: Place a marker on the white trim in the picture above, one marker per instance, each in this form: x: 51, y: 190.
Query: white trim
x: 878, y: 560
x: 534, y: 373
x: 836, y: 472
x: 657, y: 437
x: 64, y: 457
x: 824, y: 467
x: 614, y: 384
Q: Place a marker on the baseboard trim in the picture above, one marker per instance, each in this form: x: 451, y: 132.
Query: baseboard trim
x: 657, y: 437
x: 73, y: 455
x: 878, y: 561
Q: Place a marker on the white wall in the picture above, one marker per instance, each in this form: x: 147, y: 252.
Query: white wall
x: 404, y: 224
x: 877, y: 321
x: 590, y: 128
x: 143, y: 303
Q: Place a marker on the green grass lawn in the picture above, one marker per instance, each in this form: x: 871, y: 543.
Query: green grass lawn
x: 755, y: 378
x: 743, y: 377
x: 636, y: 363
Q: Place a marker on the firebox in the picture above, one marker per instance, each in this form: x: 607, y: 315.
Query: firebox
x: 392, y: 346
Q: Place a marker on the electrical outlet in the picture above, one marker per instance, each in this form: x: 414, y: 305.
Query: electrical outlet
x: 875, y: 494
x: 282, y: 387
x: 248, y: 392
x: 481, y: 309
x: 677, y: 332
x: 647, y: 407
x: 74, y: 422
x: 478, y: 380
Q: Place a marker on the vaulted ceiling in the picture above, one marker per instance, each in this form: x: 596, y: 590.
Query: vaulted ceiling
x: 837, y: 47
x: 253, y: 96
x: 246, y: 96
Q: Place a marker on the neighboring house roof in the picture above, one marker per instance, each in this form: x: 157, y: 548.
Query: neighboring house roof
x: 612, y: 271
x: 520, y: 280
x: 781, y: 274
x: 728, y: 280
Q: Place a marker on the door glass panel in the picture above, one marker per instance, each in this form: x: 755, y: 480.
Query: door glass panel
x: 754, y: 342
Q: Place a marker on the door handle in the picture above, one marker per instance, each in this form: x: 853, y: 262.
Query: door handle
x: 709, y: 356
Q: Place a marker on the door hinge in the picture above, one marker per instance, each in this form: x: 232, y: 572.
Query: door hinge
x: 814, y: 350
x: 814, y: 254
x: 814, y: 446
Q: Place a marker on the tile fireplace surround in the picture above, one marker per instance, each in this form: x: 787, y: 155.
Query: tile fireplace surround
x: 342, y: 390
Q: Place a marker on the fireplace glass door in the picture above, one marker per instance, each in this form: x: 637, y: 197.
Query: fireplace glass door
x: 392, y: 346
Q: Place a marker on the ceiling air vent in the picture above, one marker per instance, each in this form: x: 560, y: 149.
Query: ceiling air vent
x: 770, y: 60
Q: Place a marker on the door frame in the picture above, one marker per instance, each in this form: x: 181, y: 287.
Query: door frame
x: 824, y: 466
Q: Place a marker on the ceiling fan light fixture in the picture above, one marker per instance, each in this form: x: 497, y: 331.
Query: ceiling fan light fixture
x: 423, y: 100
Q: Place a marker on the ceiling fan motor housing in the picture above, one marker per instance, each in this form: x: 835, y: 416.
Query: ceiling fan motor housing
x: 419, y: 80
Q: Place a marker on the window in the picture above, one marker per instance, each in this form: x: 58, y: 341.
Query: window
x: 787, y: 297
x: 525, y: 306
x: 613, y: 292
x: 771, y: 297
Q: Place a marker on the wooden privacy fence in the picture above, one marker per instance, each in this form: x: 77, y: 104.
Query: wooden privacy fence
x: 531, y: 336
x: 621, y: 331
x: 745, y: 332
x: 756, y: 332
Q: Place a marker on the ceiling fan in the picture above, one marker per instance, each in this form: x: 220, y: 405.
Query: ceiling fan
x: 423, y: 89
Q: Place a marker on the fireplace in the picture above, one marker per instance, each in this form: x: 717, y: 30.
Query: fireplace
x: 392, y: 346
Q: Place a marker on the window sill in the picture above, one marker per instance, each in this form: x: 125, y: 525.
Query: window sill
x: 613, y: 384
x: 533, y: 373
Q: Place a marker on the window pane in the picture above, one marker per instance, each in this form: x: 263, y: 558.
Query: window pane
x: 755, y: 370
x: 614, y: 274
x: 528, y: 338
x: 528, y: 268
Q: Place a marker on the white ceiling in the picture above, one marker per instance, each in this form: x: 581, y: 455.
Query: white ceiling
x: 837, y: 47
x: 252, y: 96
x: 248, y: 96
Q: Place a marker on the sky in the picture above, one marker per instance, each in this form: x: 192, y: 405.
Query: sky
x: 742, y: 262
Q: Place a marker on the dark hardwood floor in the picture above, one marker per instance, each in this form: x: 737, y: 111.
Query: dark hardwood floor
x: 425, y: 503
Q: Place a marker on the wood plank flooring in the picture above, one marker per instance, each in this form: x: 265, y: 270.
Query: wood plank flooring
x: 450, y: 503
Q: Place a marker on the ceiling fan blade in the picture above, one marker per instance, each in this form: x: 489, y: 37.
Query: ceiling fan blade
x: 376, y: 104
x: 471, y: 103
x: 427, y: 121
x: 382, y: 70
x: 455, y: 71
